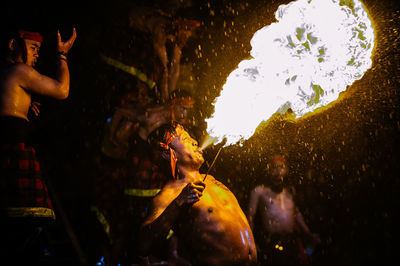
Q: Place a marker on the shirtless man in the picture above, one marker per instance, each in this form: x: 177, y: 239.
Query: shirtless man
x: 19, y: 79
x: 206, y: 217
x: 137, y: 166
x: 24, y: 201
x: 282, y: 222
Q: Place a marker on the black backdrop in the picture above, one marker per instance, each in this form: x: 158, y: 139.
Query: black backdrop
x: 344, y: 160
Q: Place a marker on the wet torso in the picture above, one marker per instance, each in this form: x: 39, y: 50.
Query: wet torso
x: 277, y: 211
x: 215, y: 231
x: 14, y: 100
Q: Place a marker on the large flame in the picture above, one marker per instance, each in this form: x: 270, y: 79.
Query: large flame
x: 315, y: 50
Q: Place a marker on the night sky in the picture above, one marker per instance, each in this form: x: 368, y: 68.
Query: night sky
x: 344, y: 160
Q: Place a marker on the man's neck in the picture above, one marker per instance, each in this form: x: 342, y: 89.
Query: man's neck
x: 13, y: 59
x: 10, y: 61
x: 277, y: 188
x: 188, y: 173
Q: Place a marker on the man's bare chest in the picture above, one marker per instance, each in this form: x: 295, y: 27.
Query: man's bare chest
x: 278, y: 204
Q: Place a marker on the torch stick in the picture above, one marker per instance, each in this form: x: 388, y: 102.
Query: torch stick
x: 215, y: 158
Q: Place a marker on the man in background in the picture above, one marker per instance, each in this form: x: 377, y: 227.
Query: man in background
x: 283, y: 227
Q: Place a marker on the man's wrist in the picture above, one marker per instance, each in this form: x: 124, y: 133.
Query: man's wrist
x: 62, y: 53
x: 62, y: 56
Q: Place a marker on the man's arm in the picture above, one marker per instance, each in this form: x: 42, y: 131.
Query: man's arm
x: 58, y: 88
x: 173, y: 257
x: 119, y: 115
x: 253, y: 205
x: 304, y: 228
x: 152, y: 118
x: 165, y: 213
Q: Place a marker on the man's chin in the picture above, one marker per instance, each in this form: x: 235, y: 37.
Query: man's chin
x: 201, y: 158
x: 200, y: 162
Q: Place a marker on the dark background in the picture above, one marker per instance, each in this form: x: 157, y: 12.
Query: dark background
x: 344, y: 159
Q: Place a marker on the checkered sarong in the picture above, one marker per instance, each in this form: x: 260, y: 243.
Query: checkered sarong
x: 22, y: 189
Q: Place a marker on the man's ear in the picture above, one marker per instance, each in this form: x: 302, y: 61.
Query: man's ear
x: 12, y: 44
x: 165, y: 155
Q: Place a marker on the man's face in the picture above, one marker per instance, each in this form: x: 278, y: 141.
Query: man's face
x: 181, y: 113
x: 278, y: 171
x: 32, y: 52
x: 187, y: 149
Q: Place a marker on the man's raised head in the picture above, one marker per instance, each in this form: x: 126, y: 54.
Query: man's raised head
x: 177, y: 146
x: 164, y: 134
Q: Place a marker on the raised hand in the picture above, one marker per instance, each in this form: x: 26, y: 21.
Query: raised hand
x: 191, y: 193
x: 35, y: 108
x: 64, y: 47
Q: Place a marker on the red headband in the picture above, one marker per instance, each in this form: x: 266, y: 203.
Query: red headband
x: 28, y: 35
x: 172, y: 155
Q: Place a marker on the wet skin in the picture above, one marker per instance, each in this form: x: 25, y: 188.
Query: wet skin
x: 206, y: 216
x: 214, y: 230
x: 277, y: 210
x: 15, y: 100
x: 20, y: 79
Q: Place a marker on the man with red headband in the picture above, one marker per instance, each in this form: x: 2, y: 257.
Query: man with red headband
x: 204, y: 214
x: 282, y: 225
x: 134, y: 167
x: 24, y: 201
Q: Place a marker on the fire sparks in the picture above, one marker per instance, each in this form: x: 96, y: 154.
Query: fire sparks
x: 302, y: 62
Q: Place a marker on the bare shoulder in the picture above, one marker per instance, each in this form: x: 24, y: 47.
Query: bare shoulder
x: 14, y: 70
x: 21, y: 68
x: 261, y: 190
x: 21, y: 72
x: 212, y: 180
